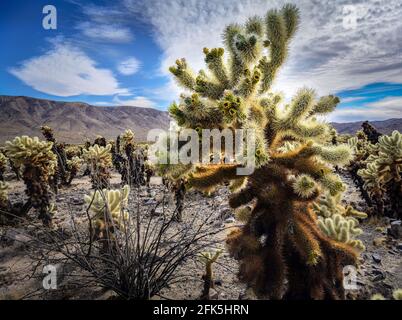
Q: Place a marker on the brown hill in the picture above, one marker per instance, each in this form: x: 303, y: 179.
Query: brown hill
x: 74, y: 121
x: 385, y: 126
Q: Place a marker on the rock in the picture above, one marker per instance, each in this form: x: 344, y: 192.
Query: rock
x: 218, y: 282
x: 379, y: 277
x: 213, y: 294
x: 230, y: 220
x: 379, y: 241
x: 376, y: 257
x: 157, y: 211
x: 18, y: 235
x: 149, y: 202
x: 396, y: 229
x: 226, y: 213
x: 78, y: 201
x: 399, y: 246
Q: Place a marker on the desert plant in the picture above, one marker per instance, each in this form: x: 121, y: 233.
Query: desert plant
x: 282, y: 251
x: 65, y: 163
x: 382, y: 174
x: 3, y: 165
x: 372, y: 134
x: 133, y: 166
x: 208, y: 258
x: 73, y: 165
x: 99, y: 160
x: 109, y: 207
x: 3, y: 195
x: 38, y: 163
x: 179, y: 190
x: 61, y: 174
x: 339, y: 222
x: 100, y: 141
x: 148, y: 251
x: 397, y: 295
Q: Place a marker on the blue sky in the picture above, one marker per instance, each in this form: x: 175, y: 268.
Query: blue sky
x: 118, y: 52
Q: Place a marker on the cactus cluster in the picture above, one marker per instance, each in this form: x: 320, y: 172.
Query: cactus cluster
x: 65, y: 173
x: 283, y: 253
x: 109, y: 208
x: 99, y: 160
x: 38, y: 163
x: 339, y: 222
x: 397, y: 295
x: 381, y: 173
x: 3, y: 165
x: 129, y: 159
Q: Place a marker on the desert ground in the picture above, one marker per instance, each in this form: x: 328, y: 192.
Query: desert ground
x: 21, y: 275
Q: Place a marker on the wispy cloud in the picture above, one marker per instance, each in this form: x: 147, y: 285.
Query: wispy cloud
x: 381, y: 110
x: 67, y: 71
x: 137, y: 101
x: 129, y: 66
x: 105, y: 32
x: 352, y: 99
x: 325, y: 54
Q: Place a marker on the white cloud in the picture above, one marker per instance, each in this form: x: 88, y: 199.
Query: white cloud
x: 324, y: 54
x: 352, y: 99
x: 105, y: 32
x: 67, y: 71
x: 381, y: 110
x: 138, y: 101
x: 129, y: 66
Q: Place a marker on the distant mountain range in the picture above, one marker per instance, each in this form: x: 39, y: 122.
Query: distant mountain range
x: 385, y: 127
x: 75, y: 121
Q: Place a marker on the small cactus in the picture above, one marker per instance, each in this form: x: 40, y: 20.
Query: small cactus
x: 339, y: 222
x: 109, y: 207
x: 382, y: 173
x: 3, y: 165
x: 209, y: 259
x: 100, y: 161
x: 127, y: 138
x: 38, y: 163
x: 3, y: 195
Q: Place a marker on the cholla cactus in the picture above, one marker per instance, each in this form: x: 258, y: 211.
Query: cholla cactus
x: 100, y: 141
x: 327, y: 206
x: 74, y: 165
x: 397, y: 295
x: 133, y: 166
x: 382, y: 174
x: 341, y: 229
x: 127, y: 138
x: 372, y: 134
x: 209, y: 259
x: 109, y: 207
x: 38, y: 163
x: 3, y: 195
x: 3, y: 165
x: 73, y: 151
x: 100, y: 161
x: 63, y: 175
x: 276, y: 245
